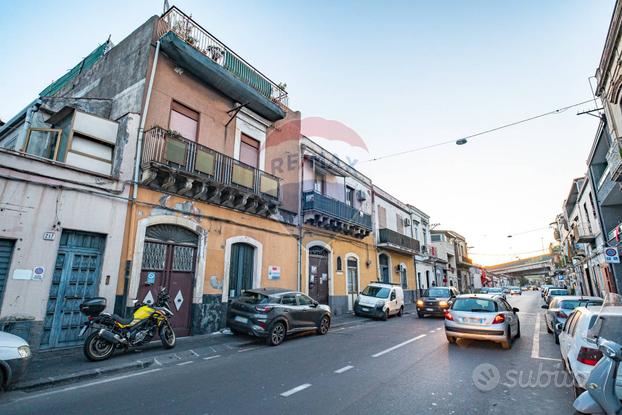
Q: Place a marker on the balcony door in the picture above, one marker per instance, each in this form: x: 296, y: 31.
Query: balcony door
x: 318, y: 274
x: 249, y: 151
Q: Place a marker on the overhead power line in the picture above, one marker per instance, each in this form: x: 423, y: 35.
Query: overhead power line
x: 463, y: 139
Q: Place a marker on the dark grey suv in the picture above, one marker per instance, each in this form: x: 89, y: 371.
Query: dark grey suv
x: 274, y: 313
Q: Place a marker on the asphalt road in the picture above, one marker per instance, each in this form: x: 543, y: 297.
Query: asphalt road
x: 402, y: 366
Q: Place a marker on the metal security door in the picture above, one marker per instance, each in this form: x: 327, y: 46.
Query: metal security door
x: 318, y: 274
x: 75, y: 278
x: 6, y: 251
x: 171, y: 266
x: 241, y: 268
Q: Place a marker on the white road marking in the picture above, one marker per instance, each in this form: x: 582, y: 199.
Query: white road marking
x: 211, y: 357
x: 397, y: 346
x: 535, y: 346
x: 194, y: 353
x: 185, y: 363
x: 344, y: 369
x: 295, y: 390
x: 432, y: 331
x: 86, y: 385
x: 247, y: 349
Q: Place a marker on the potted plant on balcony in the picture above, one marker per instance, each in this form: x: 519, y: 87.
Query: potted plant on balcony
x: 216, y: 53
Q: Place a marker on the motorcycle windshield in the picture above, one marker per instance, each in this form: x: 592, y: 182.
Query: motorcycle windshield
x: 608, y: 322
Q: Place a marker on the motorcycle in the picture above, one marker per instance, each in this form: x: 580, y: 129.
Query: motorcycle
x: 110, y: 331
x: 601, y: 396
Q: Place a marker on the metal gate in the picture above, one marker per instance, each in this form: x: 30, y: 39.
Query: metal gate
x: 75, y: 278
x: 318, y: 274
x: 6, y: 251
x: 169, y: 258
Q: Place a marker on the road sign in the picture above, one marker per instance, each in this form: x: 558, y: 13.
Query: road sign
x: 611, y: 255
x: 274, y: 272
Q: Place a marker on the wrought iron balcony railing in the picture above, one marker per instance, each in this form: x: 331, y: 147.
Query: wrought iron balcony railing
x: 388, y: 236
x: 614, y: 161
x: 176, y: 21
x: 167, y: 148
x: 313, y: 201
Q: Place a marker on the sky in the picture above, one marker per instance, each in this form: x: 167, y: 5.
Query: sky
x: 402, y: 74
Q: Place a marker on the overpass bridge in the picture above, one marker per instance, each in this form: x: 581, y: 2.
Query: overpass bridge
x: 532, y: 266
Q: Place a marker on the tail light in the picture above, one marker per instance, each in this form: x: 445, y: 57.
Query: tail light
x: 448, y: 316
x: 499, y: 318
x: 561, y: 314
x: 589, y: 356
x: 263, y: 308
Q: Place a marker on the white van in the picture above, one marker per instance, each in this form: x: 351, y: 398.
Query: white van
x: 380, y: 300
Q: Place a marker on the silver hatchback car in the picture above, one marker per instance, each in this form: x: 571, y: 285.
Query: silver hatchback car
x: 482, y: 317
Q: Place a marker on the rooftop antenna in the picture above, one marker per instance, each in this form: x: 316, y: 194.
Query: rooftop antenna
x: 165, y: 7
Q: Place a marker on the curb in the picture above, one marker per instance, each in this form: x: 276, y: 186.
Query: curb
x: 82, y: 375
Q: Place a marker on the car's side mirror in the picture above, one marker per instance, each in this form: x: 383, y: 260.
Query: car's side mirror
x: 516, y: 310
x: 546, y: 307
x: 314, y: 304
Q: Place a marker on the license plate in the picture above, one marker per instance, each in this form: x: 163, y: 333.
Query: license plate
x: 429, y: 309
x: 365, y: 309
x: 83, y: 330
x: 241, y: 319
x: 474, y: 320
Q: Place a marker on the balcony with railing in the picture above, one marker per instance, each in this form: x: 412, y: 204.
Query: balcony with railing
x: 464, y: 260
x: 391, y: 239
x: 583, y: 232
x: 177, y: 165
x: 211, y: 60
x: 325, y: 212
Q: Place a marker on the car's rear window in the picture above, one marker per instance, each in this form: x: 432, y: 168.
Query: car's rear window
x: 572, y: 304
x: 476, y: 305
x: 437, y: 292
x: 254, y: 298
x: 375, y: 291
x: 558, y: 292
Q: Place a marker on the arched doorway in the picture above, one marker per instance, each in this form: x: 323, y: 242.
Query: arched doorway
x: 241, y: 268
x: 385, y: 269
x: 318, y: 273
x: 169, y: 258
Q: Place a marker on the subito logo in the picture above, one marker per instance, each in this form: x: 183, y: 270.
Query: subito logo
x: 486, y: 377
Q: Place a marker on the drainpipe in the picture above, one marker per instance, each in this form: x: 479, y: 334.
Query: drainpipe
x: 143, y: 120
x: 300, y: 216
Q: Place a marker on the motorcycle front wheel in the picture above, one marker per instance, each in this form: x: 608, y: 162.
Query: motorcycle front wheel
x: 96, y: 348
x: 167, y: 335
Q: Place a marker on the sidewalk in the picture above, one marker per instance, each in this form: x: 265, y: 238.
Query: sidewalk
x: 56, y: 367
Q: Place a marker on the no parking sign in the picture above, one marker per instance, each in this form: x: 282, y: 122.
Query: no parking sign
x: 611, y: 255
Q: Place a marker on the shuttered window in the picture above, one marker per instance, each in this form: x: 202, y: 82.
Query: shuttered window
x: 382, y: 217
x: 184, y: 121
x: 249, y: 151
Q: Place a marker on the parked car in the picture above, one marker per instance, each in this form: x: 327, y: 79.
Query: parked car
x: 435, y: 300
x: 560, y: 308
x: 482, y: 290
x: 482, y: 317
x: 14, y: 357
x: 274, y: 313
x: 515, y: 291
x: 578, y: 346
x: 544, y: 288
x: 506, y: 290
x: 554, y: 292
x: 497, y: 291
x: 380, y: 300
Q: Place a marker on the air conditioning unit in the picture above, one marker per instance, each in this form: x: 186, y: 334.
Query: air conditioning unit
x: 406, y: 221
x: 361, y: 195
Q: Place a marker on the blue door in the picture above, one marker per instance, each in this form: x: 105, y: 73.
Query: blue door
x: 75, y: 278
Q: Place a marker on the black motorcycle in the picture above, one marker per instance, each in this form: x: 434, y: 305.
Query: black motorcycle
x: 110, y: 331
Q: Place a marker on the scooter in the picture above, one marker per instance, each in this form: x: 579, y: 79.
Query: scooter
x: 600, y: 396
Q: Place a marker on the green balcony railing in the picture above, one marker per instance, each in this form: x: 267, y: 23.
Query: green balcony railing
x: 313, y: 201
x: 395, y: 238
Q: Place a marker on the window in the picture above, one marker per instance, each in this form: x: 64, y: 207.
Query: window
x: 437, y: 238
x: 184, y: 121
x: 43, y: 142
x: 349, y: 196
x: 399, y: 223
x: 339, y: 264
x: 304, y: 300
x: 288, y: 299
x: 573, y: 325
x: 383, y: 261
x: 319, y: 184
x: 403, y: 277
x: 479, y: 305
x: 249, y: 151
x: 375, y: 291
x: 393, y: 295
x: 382, y: 217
